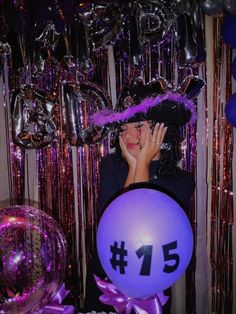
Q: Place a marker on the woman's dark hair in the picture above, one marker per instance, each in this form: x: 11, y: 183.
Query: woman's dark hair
x: 171, y: 155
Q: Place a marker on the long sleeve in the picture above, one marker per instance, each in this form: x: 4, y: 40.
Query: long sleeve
x: 112, y: 177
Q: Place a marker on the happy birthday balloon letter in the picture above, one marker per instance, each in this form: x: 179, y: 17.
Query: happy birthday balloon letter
x: 32, y: 259
x: 144, y: 243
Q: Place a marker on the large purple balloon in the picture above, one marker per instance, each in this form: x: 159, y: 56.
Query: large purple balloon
x: 229, y: 23
x: 32, y: 259
x: 230, y: 110
x: 234, y: 68
x: 144, y: 242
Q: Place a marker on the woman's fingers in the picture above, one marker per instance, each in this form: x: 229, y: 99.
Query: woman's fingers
x: 161, y: 133
x: 158, y: 134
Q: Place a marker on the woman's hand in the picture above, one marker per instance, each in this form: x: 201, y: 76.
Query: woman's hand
x: 131, y: 160
x: 152, y: 145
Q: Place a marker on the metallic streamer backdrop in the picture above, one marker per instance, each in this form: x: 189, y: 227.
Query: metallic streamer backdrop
x: 68, y: 176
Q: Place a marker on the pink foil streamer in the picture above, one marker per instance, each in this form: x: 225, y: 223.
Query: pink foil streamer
x: 222, y: 204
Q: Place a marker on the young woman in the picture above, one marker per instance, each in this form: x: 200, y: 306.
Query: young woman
x: 146, y: 154
x: 148, y: 150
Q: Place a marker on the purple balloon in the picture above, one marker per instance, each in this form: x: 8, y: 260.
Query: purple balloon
x: 234, y: 68
x: 229, y: 23
x: 230, y: 110
x: 32, y: 259
x: 230, y: 6
x: 144, y: 242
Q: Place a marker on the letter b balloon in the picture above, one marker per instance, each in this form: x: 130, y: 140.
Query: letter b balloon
x: 144, y: 242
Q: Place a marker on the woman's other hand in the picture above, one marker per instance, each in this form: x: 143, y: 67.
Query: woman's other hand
x: 152, y: 144
x: 131, y: 160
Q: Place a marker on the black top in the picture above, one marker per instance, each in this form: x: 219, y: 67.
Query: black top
x: 114, y: 171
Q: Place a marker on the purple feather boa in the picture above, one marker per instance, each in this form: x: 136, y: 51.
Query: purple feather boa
x: 106, y: 116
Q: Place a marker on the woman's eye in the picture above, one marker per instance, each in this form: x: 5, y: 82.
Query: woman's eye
x: 139, y: 126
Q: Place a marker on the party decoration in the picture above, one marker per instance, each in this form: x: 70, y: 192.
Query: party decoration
x: 191, y: 86
x: 80, y: 102
x: 136, y: 47
x: 220, y: 167
x: 108, y: 27
x: 144, y: 242
x: 159, y: 85
x: 32, y: 118
x: 55, y: 304
x: 157, y: 19
x: 230, y: 110
x: 229, y: 23
x: 45, y: 11
x: 234, y: 68
x: 212, y: 7
x: 230, y: 6
x: 49, y: 36
x: 197, y: 25
x: 5, y: 50
x: 81, y: 46
x: 112, y: 296
x: 3, y: 28
x: 32, y: 259
x: 191, y: 45
x: 187, y: 46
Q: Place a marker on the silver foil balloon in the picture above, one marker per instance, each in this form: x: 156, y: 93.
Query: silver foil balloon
x: 5, y: 51
x: 80, y: 102
x: 4, y: 29
x: 191, y: 48
x: 197, y: 22
x: 187, y: 48
x: 82, y: 46
x: 49, y: 36
x: 135, y: 42
x: 191, y: 86
x: 212, y: 7
x: 230, y: 6
x: 157, y: 18
x: 159, y: 86
x: 32, y: 118
x: 102, y: 20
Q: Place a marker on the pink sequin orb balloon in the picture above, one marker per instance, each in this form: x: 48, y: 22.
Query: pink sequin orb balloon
x: 32, y: 259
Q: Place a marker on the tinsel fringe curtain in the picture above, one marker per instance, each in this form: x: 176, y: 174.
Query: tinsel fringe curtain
x: 63, y: 180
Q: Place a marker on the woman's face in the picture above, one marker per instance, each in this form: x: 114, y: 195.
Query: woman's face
x: 133, y: 135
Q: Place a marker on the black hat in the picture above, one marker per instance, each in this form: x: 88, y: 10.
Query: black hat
x: 140, y: 101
